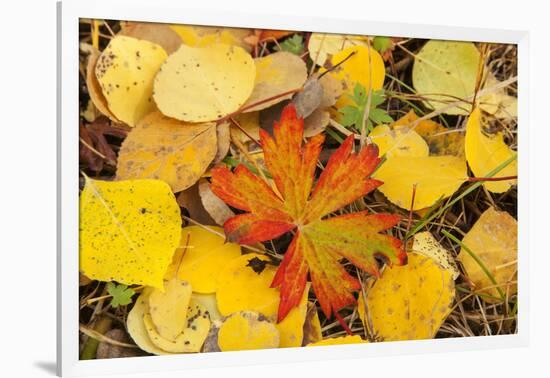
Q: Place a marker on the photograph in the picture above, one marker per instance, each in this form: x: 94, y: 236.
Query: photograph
x: 246, y: 189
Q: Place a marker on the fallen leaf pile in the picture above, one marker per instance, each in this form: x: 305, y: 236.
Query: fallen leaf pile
x: 249, y: 189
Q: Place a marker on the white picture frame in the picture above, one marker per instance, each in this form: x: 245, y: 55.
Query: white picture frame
x: 68, y: 363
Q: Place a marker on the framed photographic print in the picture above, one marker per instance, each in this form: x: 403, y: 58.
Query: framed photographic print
x: 285, y: 188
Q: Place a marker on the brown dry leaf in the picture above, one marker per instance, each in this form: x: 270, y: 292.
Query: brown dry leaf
x: 94, y: 88
x: 224, y: 140
x: 312, y: 325
x: 125, y: 71
x: 441, y: 140
x: 216, y: 208
x: 494, y: 240
x: 309, y: 98
x: 164, y: 148
x: 275, y: 74
x: 108, y: 350
x: 191, y: 201
x: 161, y: 34
x: 332, y: 90
x: 316, y: 123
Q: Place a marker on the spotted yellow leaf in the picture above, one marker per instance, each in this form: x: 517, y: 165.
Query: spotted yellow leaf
x: 164, y: 148
x: 485, y: 153
x: 129, y: 231
x: 424, y: 243
x: 125, y: 71
x: 494, y: 240
x: 398, y: 141
x: 409, y: 302
x: 202, y: 84
x: 247, y: 330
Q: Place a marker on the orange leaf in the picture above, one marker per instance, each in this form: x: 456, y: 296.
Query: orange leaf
x: 301, y: 205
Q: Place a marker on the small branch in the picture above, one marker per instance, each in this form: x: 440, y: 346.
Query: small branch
x: 503, y: 178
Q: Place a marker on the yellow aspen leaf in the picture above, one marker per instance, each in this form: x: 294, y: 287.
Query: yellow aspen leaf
x: 342, y: 340
x: 365, y: 67
x: 446, y: 71
x: 208, y: 301
x: 202, y: 36
x: 164, y: 148
x: 425, y: 244
x: 322, y: 46
x: 190, y: 340
x: 94, y: 88
x: 202, y: 255
x: 291, y: 328
x: 435, y: 177
x: 409, y: 302
x: 494, y: 240
x: 247, y: 330
x: 169, y: 306
x: 202, y: 84
x: 245, y: 285
x: 136, y: 327
x: 125, y: 71
x: 276, y: 73
x: 499, y: 103
x: 129, y: 231
x: 161, y: 34
x: 441, y: 140
x: 485, y: 153
x: 398, y: 141
x: 312, y: 325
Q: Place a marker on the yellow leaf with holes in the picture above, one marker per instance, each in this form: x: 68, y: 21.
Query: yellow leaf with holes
x: 398, y: 141
x: 365, y: 67
x: 291, y: 328
x: 322, y: 46
x: 201, y: 36
x: 409, y: 302
x: 169, y: 306
x: 485, y: 153
x: 441, y: 140
x: 445, y: 72
x: 425, y: 244
x: 494, y: 240
x: 129, y: 231
x: 247, y: 330
x: 275, y: 74
x: 190, y: 340
x: 202, y: 255
x: 435, y: 177
x: 136, y: 326
x: 202, y: 84
x: 342, y: 340
x: 244, y: 285
x: 125, y: 71
x: 164, y: 148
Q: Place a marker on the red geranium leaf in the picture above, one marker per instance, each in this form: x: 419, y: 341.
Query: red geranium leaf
x: 320, y: 243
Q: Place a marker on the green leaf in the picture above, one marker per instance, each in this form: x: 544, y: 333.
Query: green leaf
x: 294, y: 45
x: 350, y: 115
x: 122, y: 294
x: 382, y: 44
x: 378, y: 116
